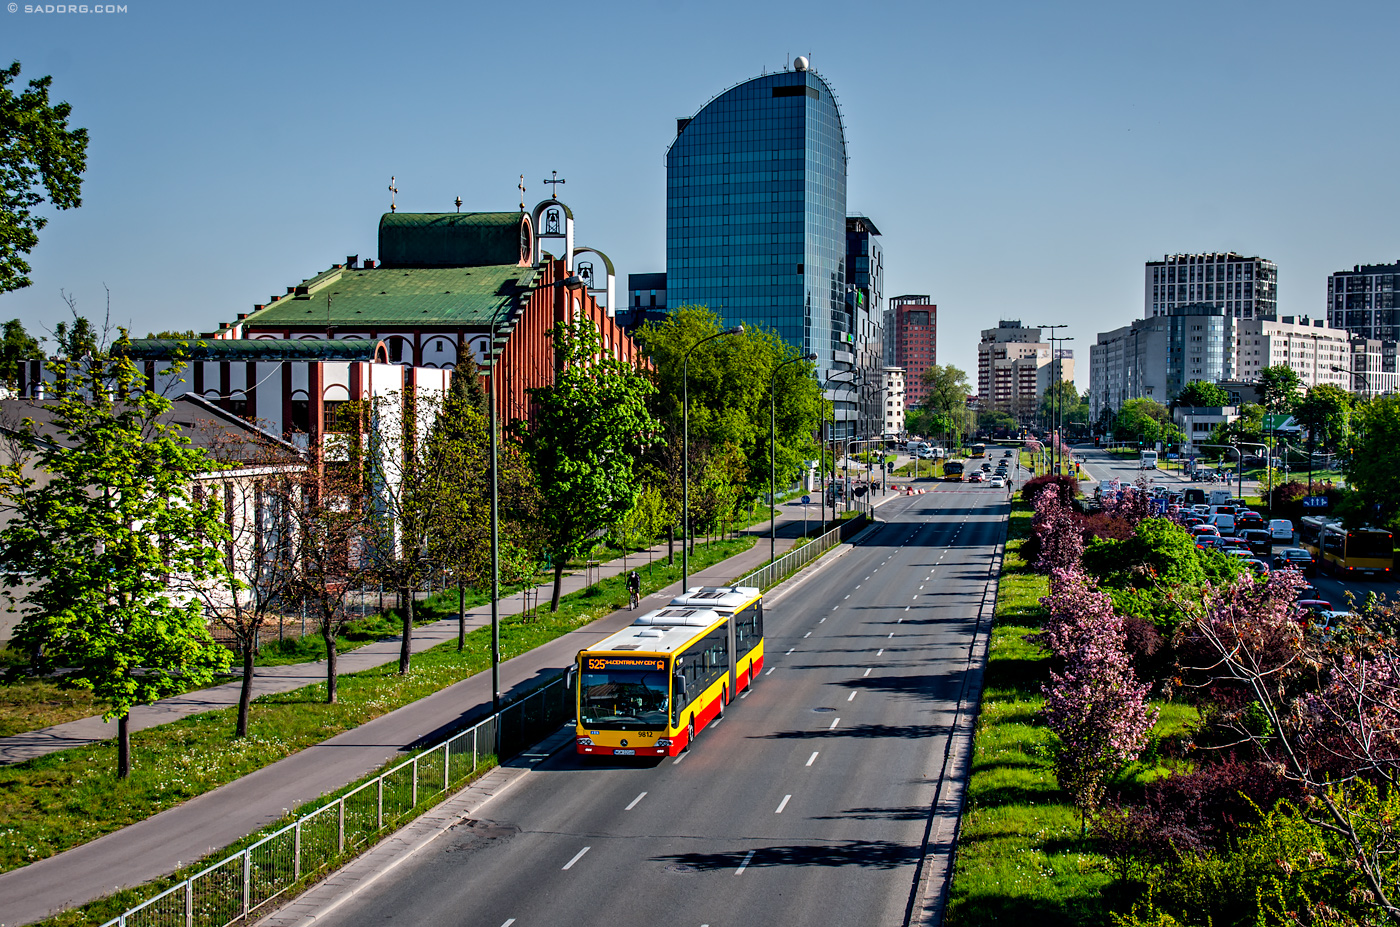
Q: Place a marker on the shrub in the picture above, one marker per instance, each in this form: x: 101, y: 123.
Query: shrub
x: 1066, y: 487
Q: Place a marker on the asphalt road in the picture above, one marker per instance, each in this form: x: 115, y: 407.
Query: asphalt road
x: 806, y: 804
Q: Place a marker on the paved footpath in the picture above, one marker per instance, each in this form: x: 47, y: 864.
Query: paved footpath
x: 163, y: 843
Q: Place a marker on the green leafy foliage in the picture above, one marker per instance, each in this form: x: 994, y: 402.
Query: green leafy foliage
x: 591, y: 427
x: 1278, y: 388
x: 1326, y: 412
x: 41, y: 160
x: 1141, y: 420
x: 1375, y: 460
x: 101, y: 535
x: 1200, y: 394
x: 16, y: 347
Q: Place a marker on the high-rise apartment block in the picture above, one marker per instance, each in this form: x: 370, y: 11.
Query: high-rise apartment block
x: 912, y: 324
x: 1362, y: 301
x: 865, y: 317
x: 894, y: 401
x: 1009, y: 358
x: 1243, y: 287
x: 756, y: 218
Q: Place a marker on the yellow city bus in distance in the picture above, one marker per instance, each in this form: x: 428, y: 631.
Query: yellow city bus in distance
x: 979, y: 450
x: 1337, y: 550
x: 648, y: 689
x: 953, y: 470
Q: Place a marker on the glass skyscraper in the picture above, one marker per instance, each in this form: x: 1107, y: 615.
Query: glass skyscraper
x: 756, y: 213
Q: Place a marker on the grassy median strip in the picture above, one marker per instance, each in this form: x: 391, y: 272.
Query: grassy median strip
x: 1020, y: 854
x: 55, y: 802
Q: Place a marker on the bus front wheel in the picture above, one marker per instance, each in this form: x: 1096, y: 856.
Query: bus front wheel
x: 690, y: 732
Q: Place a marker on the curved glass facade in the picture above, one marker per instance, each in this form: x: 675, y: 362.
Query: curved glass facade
x: 756, y: 212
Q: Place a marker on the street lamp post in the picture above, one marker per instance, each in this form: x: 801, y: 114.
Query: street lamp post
x: 1054, y: 434
x: 773, y: 454
x: 685, y: 451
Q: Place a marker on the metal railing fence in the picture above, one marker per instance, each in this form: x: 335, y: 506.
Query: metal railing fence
x: 769, y: 575
x: 237, y: 886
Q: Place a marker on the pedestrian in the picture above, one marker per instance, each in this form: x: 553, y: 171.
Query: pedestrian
x: 634, y: 589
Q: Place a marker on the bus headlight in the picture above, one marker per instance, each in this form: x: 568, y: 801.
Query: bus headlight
x: 663, y: 742
x: 585, y: 741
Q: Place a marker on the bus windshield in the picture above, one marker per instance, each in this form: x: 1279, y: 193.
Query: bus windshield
x: 623, y: 696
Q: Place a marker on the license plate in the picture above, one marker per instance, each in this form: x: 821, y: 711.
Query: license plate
x: 624, y: 752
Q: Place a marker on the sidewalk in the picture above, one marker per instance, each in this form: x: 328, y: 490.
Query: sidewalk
x: 163, y: 843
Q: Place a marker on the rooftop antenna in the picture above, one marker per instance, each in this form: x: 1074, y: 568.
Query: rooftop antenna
x: 521, y: 187
x: 393, y: 194
x: 458, y: 201
x: 554, y: 190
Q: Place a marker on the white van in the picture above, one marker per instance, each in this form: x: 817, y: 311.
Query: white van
x: 1223, y: 523
x: 1281, y: 530
x: 1219, y: 496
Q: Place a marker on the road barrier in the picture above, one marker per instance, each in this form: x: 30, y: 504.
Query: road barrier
x: 238, y: 886
x: 768, y: 576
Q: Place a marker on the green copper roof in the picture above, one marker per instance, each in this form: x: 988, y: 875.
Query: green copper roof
x: 248, y: 349
x: 395, y: 297
x: 452, y: 239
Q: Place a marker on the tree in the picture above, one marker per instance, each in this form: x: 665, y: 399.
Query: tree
x: 995, y: 420
x: 948, y: 390
x: 99, y: 538
x: 1200, y: 394
x: 1141, y: 420
x: 1063, y: 400
x: 1375, y: 460
x: 186, y: 335
x: 16, y: 347
x: 41, y: 160
x: 590, y: 427
x: 1326, y: 412
x: 1278, y: 388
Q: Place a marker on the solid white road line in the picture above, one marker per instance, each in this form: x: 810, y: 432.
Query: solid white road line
x: 812, y: 759
x: 834, y: 722
x: 577, y: 856
x: 783, y: 804
x: 634, y: 802
x: 745, y: 864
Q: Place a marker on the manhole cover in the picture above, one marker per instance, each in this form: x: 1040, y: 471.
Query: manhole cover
x: 823, y: 709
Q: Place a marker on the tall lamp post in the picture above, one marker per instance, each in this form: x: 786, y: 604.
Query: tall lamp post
x: 773, y: 454
x: 1054, y: 433
x: 685, y: 451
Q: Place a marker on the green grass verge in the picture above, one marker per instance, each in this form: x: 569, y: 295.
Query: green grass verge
x: 1020, y: 854
x: 55, y: 802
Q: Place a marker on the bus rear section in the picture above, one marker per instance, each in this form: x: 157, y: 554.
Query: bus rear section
x: 650, y: 688
x: 1335, y: 549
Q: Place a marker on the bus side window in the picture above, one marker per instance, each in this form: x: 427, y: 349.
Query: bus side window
x: 758, y: 618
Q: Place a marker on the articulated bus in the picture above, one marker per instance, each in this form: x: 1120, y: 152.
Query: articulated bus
x: 979, y: 450
x: 1335, y: 549
x: 647, y: 690
x: 953, y: 470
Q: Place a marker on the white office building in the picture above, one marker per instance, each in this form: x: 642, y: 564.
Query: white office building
x: 894, y: 400
x: 1242, y: 287
x: 1313, y: 349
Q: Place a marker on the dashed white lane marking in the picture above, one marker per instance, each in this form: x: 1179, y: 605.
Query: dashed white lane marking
x: 916, y: 595
x: 717, y: 722
x: 834, y: 722
x: 906, y: 608
x: 880, y: 651
x: 511, y: 920
x: 677, y: 760
x: 812, y: 759
x: 635, y: 801
x: 577, y: 856
x: 849, y: 596
x: 891, y: 634
x: 788, y: 654
x: 921, y: 588
x: 849, y: 698
x: 747, y: 693
x: 807, y: 635
x: 783, y: 804
x: 867, y: 672
x: 823, y: 619
x: 745, y: 864
x: 835, y: 607
x: 771, y: 668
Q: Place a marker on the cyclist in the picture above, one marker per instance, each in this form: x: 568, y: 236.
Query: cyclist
x: 634, y: 589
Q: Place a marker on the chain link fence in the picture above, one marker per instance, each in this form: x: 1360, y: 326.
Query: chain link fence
x: 239, y: 885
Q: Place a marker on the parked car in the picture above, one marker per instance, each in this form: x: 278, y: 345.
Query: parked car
x: 1296, y: 558
x: 1261, y: 542
x: 1281, y: 529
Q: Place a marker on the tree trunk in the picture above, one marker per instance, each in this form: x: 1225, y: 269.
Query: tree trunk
x: 405, y: 650
x: 245, y: 693
x: 331, y: 655
x: 558, y: 583
x: 461, y: 614
x: 671, y: 545
x: 124, y: 746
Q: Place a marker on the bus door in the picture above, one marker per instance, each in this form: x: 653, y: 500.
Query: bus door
x: 733, y: 654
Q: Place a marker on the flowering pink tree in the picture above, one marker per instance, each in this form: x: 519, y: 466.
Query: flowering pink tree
x: 1061, y: 540
x: 1131, y: 504
x: 1096, y: 707
x: 1323, y: 705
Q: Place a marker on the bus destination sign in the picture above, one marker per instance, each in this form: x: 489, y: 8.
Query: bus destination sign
x: 626, y: 663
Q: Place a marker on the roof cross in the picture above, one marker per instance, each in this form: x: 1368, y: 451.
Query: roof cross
x: 393, y: 194
x: 554, y: 190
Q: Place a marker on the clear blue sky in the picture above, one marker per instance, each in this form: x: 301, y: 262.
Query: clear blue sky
x: 1023, y: 159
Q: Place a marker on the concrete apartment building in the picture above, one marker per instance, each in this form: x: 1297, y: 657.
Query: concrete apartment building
x: 894, y: 400
x: 911, y: 329
x: 1155, y: 357
x: 1009, y: 358
x: 1317, y: 352
x: 1362, y: 301
x: 1242, y: 287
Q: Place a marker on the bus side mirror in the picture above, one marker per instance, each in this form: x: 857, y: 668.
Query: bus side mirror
x: 680, y: 685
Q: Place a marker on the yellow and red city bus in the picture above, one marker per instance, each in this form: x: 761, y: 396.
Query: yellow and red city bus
x: 953, y: 470
x: 979, y: 450
x: 1336, y: 549
x: 648, y: 689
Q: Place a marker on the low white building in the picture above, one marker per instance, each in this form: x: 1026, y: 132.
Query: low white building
x: 1198, y: 423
